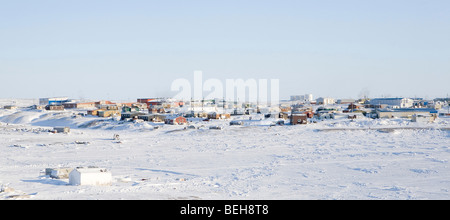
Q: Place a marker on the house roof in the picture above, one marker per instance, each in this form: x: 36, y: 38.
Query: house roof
x: 430, y: 110
x: 91, y: 170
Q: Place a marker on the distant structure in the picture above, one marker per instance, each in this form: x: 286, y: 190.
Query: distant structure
x: 345, y: 101
x: 393, y: 102
x: 407, y: 112
x: 325, y: 101
x: 302, y: 98
x: 53, y: 101
x: 90, y: 176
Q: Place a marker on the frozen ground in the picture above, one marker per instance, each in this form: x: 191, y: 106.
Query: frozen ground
x: 254, y: 161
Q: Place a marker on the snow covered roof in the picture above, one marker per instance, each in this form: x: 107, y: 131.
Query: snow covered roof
x: 91, y: 170
x: 430, y: 110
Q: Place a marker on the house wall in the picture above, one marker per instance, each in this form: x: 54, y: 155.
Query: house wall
x: 180, y: 120
x: 401, y: 102
x: 423, y: 118
x: 62, y: 129
x: 108, y: 113
x: 298, y: 119
x: 54, y: 107
x: 325, y: 101
x: 175, y: 121
x: 400, y: 114
x: 86, y: 105
x: 90, y: 176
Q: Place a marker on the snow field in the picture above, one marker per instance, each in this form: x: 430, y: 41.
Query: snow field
x: 238, y: 162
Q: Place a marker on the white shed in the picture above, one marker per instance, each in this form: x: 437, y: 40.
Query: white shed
x: 58, y: 173
x: 422, y: 118
x: 90, y: 176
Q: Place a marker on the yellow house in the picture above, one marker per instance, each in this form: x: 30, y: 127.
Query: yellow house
x: 108, y: 113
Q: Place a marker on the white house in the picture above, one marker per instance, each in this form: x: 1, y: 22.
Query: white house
x: 90, y: 176
x: 395, y: 102
x: 325, y: 101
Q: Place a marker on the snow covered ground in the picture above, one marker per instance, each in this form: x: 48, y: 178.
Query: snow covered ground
x: 254, y: 161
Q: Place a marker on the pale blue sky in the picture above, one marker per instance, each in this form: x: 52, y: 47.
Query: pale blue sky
x: 130, y: 49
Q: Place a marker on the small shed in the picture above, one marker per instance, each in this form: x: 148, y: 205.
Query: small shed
x: 213, y: 115
x: 236, y: 122
x: 38, y: 107
x: 90, y: 176
x: 299, y: 119
x: 61, y: 130
x: 10, y: 107
x: 423, y: 118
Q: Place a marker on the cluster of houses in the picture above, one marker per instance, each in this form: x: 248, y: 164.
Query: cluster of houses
x: 301, y: 109
x: 415, y: 109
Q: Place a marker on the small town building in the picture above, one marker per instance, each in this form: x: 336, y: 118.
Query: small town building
x: 61, y: 130
x: 325, y: 101
x: 160, y: 117
x: 175, y: 120
x: 225, y: 116
x: 90, y: 176
x: 423, y: 118
x: 307, y: 98
x: 395, y: 102
x: 150, y: 101
x: 82, y: 105
x: 69, y: 105
x: 53, y: 101
x: 297, y: 118
x: 108, y: 113
x: 349, y: 115
x: 405, y: 112
x: 11, y: 107
x: 125, y: 115
x: 132, y: 108
x: 237, y: 122
x: 38, y: 107
x: 94, y: 112
x: 58, y: 173
x: 213, y: 115
x: 345, y: 101
x: 54, y: 107
x: 353, y: 107
x: 283, y: 115
x: 150, y: 117
x: 156, y: 109
x: 216, y: 115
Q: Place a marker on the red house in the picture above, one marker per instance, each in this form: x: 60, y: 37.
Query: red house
x: 175, y: 120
